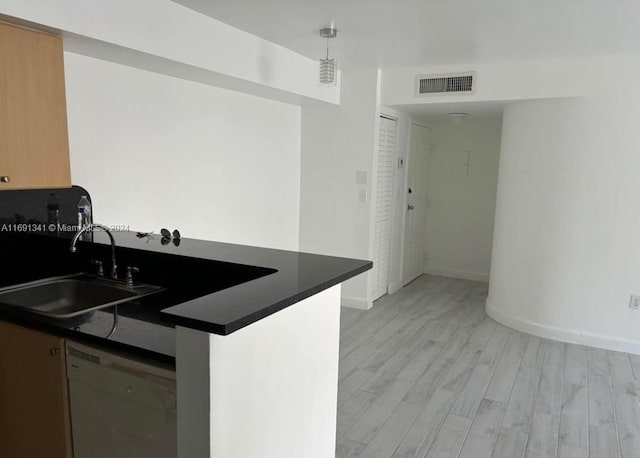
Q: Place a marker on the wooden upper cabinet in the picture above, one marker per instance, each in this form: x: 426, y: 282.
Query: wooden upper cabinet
x: 34, y: 143
x: 34, y: 401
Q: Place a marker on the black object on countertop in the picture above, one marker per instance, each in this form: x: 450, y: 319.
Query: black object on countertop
x: 37, y: 208
x: 210, y: 286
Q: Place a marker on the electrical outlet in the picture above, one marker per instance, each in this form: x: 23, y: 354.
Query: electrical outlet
x: 634, y: 303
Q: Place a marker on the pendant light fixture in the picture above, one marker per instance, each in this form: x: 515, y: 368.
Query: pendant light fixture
x: 328, y: 67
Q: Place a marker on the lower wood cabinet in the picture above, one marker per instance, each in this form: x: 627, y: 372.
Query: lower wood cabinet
x: 34, y: 401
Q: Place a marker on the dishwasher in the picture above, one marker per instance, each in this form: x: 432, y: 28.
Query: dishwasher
x: 120, y: 407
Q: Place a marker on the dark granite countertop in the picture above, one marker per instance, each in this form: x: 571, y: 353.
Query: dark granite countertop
x: 202, y: 294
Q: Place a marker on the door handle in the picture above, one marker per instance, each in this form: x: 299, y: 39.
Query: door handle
x: 410, y: 207
x: 5, y: 179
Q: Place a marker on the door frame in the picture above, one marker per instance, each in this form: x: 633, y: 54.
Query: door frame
x: 375, y: 195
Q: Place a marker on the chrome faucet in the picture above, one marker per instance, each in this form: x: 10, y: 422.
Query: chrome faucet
x: 91, y: 227
x: 129, y: 278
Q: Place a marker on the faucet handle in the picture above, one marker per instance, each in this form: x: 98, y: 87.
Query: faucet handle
x: 130, y: 271
x: 98, y: 263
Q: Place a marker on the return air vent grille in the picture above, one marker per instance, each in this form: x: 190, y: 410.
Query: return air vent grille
x: 457, y: 83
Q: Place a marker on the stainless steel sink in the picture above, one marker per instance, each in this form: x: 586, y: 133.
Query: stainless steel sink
x: 73, y: 295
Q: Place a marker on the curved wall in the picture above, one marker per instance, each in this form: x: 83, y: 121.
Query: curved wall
x: 567, y: 230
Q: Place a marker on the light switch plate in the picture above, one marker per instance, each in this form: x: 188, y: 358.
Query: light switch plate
x: 363, y: 195
x: 361, y: 177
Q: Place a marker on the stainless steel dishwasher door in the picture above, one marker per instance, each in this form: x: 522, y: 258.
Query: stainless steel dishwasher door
x: 120, y: 407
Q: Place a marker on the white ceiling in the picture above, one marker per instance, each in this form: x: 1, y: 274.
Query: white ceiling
x: 440, y: 111
x: 418, y: 32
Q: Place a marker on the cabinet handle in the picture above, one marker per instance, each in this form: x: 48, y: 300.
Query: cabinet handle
x: 5, y: 179
x: 54, y: 351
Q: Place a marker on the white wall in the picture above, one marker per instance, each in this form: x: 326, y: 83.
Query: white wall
x: 461, y: 209
x: 267, y: 390
x: 156, y: 151
x: 566, y: 244
x: 337, y: 141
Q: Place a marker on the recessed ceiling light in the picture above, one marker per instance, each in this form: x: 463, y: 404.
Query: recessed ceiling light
x: 457, y: 118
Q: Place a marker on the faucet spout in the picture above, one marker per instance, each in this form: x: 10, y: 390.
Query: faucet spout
x: 92, y: 227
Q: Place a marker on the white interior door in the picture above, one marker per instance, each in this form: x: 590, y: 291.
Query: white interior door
x: 416, y: 209
x: 383, y: 206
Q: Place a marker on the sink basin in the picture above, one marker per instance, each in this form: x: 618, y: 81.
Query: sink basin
x: 67, y: 297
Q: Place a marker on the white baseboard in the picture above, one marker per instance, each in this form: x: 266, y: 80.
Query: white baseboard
x: 356, y: 303
x: 574, y: 336
x: 393, y: 287
x: 462, y: 274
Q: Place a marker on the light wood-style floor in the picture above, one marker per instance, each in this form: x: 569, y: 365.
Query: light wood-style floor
x: 427, y: 373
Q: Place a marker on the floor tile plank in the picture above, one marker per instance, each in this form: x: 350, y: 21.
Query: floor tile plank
x: 472, y: 394
x: 375, y: 415
x: 543, y: 435
x: 450, y: 438
x: 510, y: 444
x: 621, y: 374
x: 347, y: 448
x: 352, y: 409
x: 574, y: 418
x: 627, y: 411
x: 390, y: 434
x: 421, y: 435
x: 603, y: 442
x: 520, y: 407
x: 427, y: 373
x: 503, y: 379
x: 420, y: 361
x: 484, y: 430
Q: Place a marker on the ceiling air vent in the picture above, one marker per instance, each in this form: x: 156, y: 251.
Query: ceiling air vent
x: 451, y: 83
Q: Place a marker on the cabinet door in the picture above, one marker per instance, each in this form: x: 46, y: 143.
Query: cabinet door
x: 34, y: 403
x: 34, y: 144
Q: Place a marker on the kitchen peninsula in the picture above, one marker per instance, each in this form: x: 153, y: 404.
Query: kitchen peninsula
x: 253, y: 333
